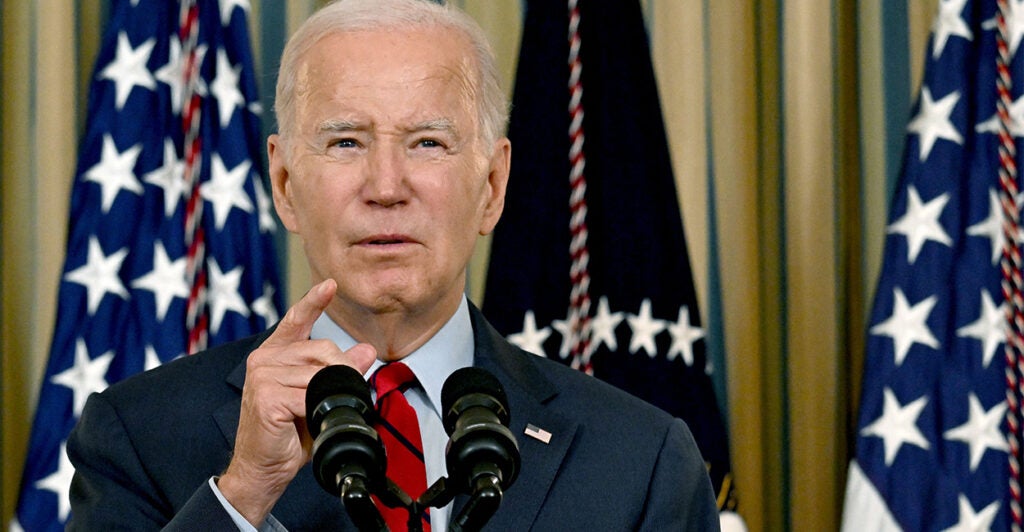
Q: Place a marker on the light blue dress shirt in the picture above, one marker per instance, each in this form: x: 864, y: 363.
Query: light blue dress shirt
x: 448, y: 350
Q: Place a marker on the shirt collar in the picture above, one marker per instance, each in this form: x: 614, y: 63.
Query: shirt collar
x: 451, y: 348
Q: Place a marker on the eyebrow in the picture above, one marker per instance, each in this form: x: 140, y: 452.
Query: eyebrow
x: 342, y: 126
x: 335, y: 126
x: 436, y: 124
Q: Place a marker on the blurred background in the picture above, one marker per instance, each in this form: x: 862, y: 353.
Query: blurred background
x: 786, y: 123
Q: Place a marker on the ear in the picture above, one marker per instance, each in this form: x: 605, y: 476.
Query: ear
x: 279, y: 182
x: 497, y: 182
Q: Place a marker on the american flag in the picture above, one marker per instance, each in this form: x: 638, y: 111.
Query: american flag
x: 129, y: 294
x: 934, y: 431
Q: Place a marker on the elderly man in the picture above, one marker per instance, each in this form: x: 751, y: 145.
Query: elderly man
x: 389, y: 161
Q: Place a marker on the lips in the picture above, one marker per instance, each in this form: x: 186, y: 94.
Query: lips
x: 386, y: 240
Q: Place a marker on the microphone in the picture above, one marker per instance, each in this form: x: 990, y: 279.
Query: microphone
x: 482, y: 454
x: 348, y: 455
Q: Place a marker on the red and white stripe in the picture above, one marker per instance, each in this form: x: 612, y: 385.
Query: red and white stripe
x: 197, y: 321
x: 1012, y: 282
x: 579, y: 298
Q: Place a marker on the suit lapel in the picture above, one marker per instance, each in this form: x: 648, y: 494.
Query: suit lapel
x: 227, y: 415
x: 528, y: 392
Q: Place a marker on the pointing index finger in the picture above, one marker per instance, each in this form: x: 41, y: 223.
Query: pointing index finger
x: 298, y: 321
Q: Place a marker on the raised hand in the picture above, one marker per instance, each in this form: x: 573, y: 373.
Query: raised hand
x: 272, y: 442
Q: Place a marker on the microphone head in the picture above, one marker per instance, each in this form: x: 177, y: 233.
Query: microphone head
x: 476, y: 417
x: 467, y: 381
x: 330, y: 381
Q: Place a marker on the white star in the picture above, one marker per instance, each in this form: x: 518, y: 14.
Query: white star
x: 898, y: 425
x: 990, y: 327
x: 603, y: 326
x: 264, y: 207
x: 99, y: 274
x: 932, y: 121
x: 225, y: 88
x: 115, y: 172
x: 949, y: 22
x: 531, y: 339
x: 129, y: 68
x: 166, y: 280
x: 974, y: 522
x: 921, y: 223
x: 981, y: 431
x: 264, y: 306
x: 152, y: 359
x: 1016, y: 123
x: 227, y: 7
x: 907, y: 325
x: 991, y: 227
x: 644, y: 330
x: 86, y: 376
x: 226, y: 189
x: 224, y: 295
x: 563, y: 328
x: 59, y: 482
x: 169, y: 177
x: 683, y: 336
x: 172, y: 74
x: 1014, y: 24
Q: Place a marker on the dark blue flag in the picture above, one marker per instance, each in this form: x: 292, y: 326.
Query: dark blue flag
x: 127, y: 286
x: 932, y: 446
x: 589, y: 263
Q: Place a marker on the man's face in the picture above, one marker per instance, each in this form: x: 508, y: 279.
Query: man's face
x: 385, y: 176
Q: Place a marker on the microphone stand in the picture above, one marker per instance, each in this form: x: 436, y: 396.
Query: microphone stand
x: 359, y: 504
x: 483, y: 502
x: 356, y: 498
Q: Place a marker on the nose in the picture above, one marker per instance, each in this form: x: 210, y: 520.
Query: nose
x: 386, y: 183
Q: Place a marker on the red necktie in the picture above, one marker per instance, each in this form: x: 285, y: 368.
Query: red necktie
x: 400, y: 431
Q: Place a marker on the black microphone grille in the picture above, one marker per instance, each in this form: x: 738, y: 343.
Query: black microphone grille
x: 471, y: 380
x: 335, y: 380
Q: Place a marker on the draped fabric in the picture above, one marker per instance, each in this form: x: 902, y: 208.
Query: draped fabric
x: 785, y: 122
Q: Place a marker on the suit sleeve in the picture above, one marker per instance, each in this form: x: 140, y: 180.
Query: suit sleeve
x: 112, y: 490
x: 680, y: 496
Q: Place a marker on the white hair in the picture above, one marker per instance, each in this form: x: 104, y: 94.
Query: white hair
x: 345, y: 16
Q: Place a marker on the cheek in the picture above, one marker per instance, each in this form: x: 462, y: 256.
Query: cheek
x: 320, y: 196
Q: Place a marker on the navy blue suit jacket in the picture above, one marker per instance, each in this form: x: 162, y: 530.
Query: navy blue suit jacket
x: 145, y: 448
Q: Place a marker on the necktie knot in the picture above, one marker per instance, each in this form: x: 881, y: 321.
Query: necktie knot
x: 391, y: 377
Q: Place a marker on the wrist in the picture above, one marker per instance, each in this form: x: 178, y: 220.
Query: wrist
x: 249, y: 497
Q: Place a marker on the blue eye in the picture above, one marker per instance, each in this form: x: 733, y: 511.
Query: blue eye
x: 429, y: 143
x: 345, y: 143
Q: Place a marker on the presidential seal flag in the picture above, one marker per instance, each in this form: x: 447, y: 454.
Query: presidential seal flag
x: 170, y: 241
x: 589, y: 263
x: 938, y: 433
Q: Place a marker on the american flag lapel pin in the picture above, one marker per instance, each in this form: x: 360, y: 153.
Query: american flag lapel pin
x: 537, y: 433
